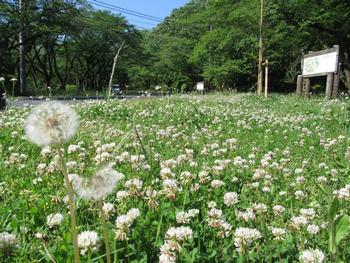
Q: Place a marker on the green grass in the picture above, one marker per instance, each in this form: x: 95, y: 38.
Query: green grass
x: 287, y: 132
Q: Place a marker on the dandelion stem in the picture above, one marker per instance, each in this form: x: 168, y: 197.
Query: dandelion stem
x: 116, y: 251
x: 105, y: 231
x: 241, y: 258
x: 140, y: 141
x: 127, y: 250
x: 47, y: 252
x: 71, y: 206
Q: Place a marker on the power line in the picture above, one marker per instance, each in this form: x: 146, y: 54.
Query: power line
x: 140, y: 27
x: 110, y: 7
x: 115, y: 8
x: 128, y: 10
x: 142, y: 22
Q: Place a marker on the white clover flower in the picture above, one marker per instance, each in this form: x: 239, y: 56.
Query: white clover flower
x: 124, y: 222
x: 279, y: 233
x: 245, y: 236
x: 278, y: 209
x: 179, y: 233
x: 184, y: 217
x: 230, y: 198
x: 99, y: 185
x: 259, y: 208
x: 193, y: 212
x: 311, y: 256
x: 39, y: 235
x: 313, y: 229
x: 108, y: 208
x: 298, y: 221
x: 246, y: 215
x: 309, y: 213
x: 342, y: 193
x: 7, y: 241
x: 211, y: 204
x: 121, y: 195
x: 2, y: 79
x: 217, y: 183
x: 166, y: 257
x: 133, y: 213
x: 13, y: 79
x: 299, y: 194
x: 54, y: 220
x: 51, y: 123
x: 88, y: 240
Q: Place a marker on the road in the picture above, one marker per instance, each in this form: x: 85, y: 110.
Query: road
x: 24, y: 102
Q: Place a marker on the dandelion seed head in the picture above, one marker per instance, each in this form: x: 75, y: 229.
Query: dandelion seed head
x: 99, y: 186
x: 51, y: 123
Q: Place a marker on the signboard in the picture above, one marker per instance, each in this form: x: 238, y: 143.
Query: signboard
x: 321, y: 62
x: 200, y: 86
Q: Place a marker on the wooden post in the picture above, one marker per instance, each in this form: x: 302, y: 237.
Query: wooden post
x: 261, y: 48
x: 329, y: 85
x: 336, y: 83
x: 266, y: 77
x: 22, y: 72
x: 307, y: 88
x: 299, y: 84
x: 2, y: 99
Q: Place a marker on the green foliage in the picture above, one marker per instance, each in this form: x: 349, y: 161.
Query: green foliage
x: 68, y: 42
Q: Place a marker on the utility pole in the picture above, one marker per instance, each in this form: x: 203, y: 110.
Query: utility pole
x: 22, y: 73
x: 261, y: 48
x: 209, y: 53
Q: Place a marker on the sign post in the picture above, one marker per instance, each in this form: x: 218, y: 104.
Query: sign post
x: 200, y: 87
x: 321, y: 63
x: 266, y: 77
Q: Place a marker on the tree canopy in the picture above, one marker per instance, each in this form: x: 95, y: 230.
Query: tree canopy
x: 70, y: 44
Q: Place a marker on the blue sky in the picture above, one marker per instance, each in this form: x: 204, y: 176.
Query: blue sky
x: 156, y: 8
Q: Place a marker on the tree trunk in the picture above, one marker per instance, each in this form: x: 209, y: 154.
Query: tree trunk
x: 347, y: 79
x: 346, y: 75
x: 2, y: 99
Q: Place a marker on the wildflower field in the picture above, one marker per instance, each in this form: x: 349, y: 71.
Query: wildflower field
x: 216, y: 178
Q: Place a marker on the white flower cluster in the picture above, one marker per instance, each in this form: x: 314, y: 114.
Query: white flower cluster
x: 216, y: 219
x: 231, y: 198
x: 108, y: 208
x: 51, y: 123
x: 245, y: 236
x: 184, y: 217
x: 279, y: 233
x: 247, y: 215
x: 54, y: 220
x: 17, y: 159
x: 99, y: 185
x: 151, y: 197
x: 124, y: 222
x: 343, y: 193
x: 7, y: 241
x: 134, y: 187
x: 88, y: 240
x: 172, y: 245
x: 216, y: 183
x: 311, y: 256
x: 170, y: 188
x: 166, y: 173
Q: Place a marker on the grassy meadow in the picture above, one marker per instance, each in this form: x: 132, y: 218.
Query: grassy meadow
x: 214, y: 178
